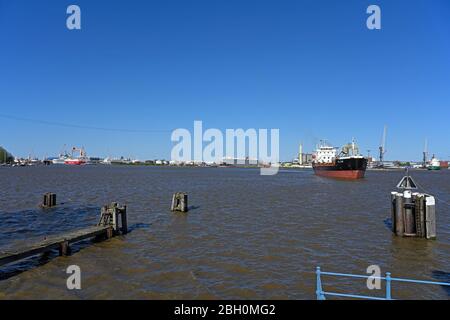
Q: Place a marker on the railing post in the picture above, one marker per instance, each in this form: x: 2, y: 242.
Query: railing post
x: 388, y: 286
x: 319, y: 291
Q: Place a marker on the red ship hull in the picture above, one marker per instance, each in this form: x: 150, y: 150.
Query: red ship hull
x: 341, y: 174
x: 75, y: 162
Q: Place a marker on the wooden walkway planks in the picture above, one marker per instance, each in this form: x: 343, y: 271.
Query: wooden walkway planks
x: 54, y: 242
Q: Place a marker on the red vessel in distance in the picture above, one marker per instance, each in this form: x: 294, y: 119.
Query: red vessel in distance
x: 77, y: 161
x: 348, y: 164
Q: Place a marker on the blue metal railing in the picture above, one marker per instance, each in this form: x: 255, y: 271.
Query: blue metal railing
x: 321, y: 295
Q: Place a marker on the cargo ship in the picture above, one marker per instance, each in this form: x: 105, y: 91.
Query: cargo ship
x: 347, y: 164
x: 435, y: 164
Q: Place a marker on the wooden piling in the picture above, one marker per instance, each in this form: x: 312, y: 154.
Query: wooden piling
x: 419, y: 202
x: 179, y: 202
x: 115, y: 216
x: 430, y: 217
x: 399, y: 208
x: 393, y: 207
x: 109, y: 233
x: 49, y: 200
x: 184, y: 202
x: 64, y: 248
x: 409, y: 220
x: 124, y: 221
x: 173, y: 206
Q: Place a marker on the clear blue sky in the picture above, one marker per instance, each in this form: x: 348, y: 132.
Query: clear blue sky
x: 310, y: 68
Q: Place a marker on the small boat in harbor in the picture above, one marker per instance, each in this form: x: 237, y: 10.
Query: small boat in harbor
x: 347, y: 164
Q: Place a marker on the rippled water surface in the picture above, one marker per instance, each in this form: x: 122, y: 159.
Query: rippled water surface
x: 246, y: 236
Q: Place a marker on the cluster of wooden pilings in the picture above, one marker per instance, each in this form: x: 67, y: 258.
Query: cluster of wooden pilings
x: 115, y: 216
x: 179, y: 202
x: 49, y: 200
x: 413, y: 214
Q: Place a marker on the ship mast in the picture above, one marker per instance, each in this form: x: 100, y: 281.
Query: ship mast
x: 383, y: 146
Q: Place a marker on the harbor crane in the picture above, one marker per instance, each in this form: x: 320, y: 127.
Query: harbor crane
x: 425, y: 154
x: 382, y: 147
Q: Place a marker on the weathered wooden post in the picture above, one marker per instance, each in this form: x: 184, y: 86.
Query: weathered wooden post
x: 393, y: 210
x: 399, y: 225
x: 64, y: 248
x: 115, y: 216
x: 109, y: 233
x: 49, y: 200
x: 430, y: 218
x: 184, y: 202
x: 179, y: 202
x: 409, y: 221
x: 419, y: 200
x: 124, y: 222
x: 175, y: 202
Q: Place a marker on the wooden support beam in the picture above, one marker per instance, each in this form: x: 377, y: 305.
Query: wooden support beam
x: 123, y: 213
x: 109, y: 233
x: 64, y: 248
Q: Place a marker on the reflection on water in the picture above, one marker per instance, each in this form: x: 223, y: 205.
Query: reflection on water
x: 246, y: 237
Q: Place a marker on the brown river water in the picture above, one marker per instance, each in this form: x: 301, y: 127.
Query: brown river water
x: 246, y: 236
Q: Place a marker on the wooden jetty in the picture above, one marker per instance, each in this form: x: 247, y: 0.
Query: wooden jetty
x: 106, y: 229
